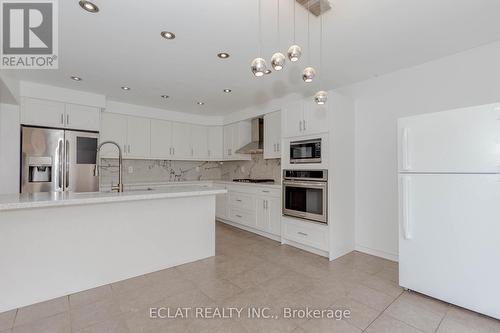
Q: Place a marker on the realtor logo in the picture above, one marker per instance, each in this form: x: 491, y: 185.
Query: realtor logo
x: 29, y: 34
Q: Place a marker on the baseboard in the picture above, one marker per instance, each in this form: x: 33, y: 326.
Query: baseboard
x: 305, y: 247
x: 377, y: 253
x: 340, y: 253
x: 250, y: 229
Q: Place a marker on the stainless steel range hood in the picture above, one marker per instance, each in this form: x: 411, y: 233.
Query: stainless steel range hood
x: 257, y: 144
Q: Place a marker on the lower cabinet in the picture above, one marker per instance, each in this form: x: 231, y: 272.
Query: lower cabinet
x: 254, y: 207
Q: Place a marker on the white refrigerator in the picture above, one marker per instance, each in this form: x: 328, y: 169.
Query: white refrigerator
x: 449, y: 206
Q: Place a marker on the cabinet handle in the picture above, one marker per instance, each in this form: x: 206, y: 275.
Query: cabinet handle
x: 300, y: 125
x: 239, y: 200
x: 265, y: 191
x: 209, y: 152
x: 267, y: 206
x: 302, y: 233
x: 278, y: 145
x: 173, y: 150
x: 62, y: 119
x: 129, y: 149
x: 264, y: 204
x: 67, y: 119
x: 304, y: 125
x: 274, y: 147
x: 239, y: 216
x: 192, y: 151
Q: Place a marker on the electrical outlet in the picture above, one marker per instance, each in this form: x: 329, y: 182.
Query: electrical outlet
x: 130, y: 169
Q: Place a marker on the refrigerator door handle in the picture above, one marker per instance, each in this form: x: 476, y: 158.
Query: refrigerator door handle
x: 405, y: 149
x: 60, y: 165
x: 66, y: 151
x: 406, y: 189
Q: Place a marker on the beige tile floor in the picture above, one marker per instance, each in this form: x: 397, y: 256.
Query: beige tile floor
x: 249, y: 270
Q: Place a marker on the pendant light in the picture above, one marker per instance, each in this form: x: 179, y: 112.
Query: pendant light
x: 294, y: 52
x: 321, y: 96
x: 309, y: 73
x: 259, y: 65
x: 278, y: 59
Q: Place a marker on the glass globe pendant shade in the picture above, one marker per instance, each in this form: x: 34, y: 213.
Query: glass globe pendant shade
x: 321, y: 97
x: 294, y: 53
x: 308, y: 74
x: 278, y: 61
x: 258, y: 67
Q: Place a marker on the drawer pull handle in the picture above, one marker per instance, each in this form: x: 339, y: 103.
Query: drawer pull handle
x: 265, y: 191
x: 239, y: 216
x: 239, y: 200
x: 302, y: 233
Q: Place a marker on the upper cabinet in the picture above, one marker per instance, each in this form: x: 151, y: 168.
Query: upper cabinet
x: 132, y: 134
x: 237, y: 135
x: 304, y: 118
x: 215, y: 143
x: 181, y: 141
x: 161, y: 139
x: 39, y: 112
x: 272, y: 135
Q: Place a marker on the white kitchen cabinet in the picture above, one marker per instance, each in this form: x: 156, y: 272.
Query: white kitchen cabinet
x: 161, y: 139
x: 272, y: 135
x: 315, y: 117
x: 138, y: 137
x: 199, y: 142
x: 82, y: 117
x: 113, y: 128
x: 215, y: 143
x: 268, y: 215
x: 304, y: 117
x: 256, y: 208
x: 237, y: 135
x: 181, y: 141
x: 39, y: 112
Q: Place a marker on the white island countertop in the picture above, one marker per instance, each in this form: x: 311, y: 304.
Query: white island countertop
x: 52, y: 199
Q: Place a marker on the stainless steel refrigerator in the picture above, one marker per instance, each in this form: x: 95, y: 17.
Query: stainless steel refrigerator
x: 57, y: 160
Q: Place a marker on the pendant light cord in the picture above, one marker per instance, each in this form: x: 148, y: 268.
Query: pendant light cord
x: 260, y: 30
x: 278, y: 21
x: 321, y: 50
x: 308, y: 33
x: 294, y: 34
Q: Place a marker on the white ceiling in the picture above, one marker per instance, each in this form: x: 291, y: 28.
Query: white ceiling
x: 121, y: 45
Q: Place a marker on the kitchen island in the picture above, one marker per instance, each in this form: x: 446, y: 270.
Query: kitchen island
x: 54, y: 244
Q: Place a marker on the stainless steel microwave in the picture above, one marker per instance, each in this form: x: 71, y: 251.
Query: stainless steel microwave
x: 305, y: 151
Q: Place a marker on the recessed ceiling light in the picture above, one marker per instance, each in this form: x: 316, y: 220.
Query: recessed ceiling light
x: 200, y: 103
x: 165, y: 96
x: 223, y: 55
x: 126, y: 88
x: 227, y: 90
x: 76, y: 78
x: 88, y: 6
x: 268, y: 71
x: 167, y: 35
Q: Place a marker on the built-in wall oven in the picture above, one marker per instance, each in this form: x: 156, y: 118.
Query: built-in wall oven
x: 305, y: 194
x: 305, y: 151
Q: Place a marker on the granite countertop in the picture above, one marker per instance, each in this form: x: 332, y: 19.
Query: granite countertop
x: 53, y: 199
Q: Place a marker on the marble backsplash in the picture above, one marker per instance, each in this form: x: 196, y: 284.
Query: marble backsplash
x: 151, y: 171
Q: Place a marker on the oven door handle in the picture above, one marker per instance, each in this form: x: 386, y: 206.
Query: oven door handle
x: 321, y: 185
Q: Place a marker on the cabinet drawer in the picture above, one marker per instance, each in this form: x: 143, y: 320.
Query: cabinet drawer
x: 242, y: 216
x: 306, y: 233
x: 242, y: 201
x: 272, y: 192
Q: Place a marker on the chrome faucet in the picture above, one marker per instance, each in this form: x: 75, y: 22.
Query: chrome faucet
x: 119, y: 186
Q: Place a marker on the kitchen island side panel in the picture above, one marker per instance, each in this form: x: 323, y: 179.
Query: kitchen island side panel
x: 54, y: 251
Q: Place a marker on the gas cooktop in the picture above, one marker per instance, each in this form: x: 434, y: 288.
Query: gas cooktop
x: 249, y: 180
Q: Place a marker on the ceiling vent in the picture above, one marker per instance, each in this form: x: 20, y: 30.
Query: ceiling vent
x: 316, y: 7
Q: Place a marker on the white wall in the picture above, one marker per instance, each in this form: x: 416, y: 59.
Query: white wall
x: 9, y: 148
x: 465, y: 79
